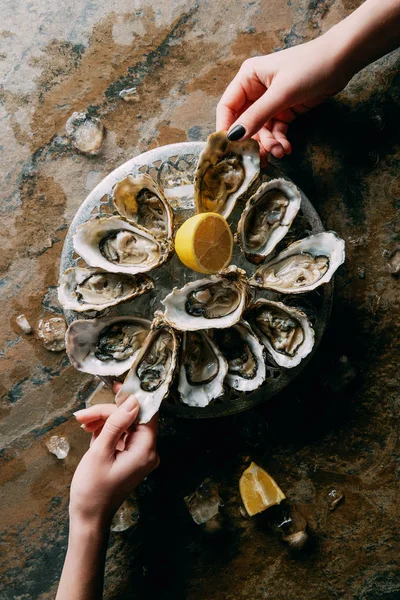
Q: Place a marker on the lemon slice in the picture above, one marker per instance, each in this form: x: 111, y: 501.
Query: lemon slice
x: 258, y: 490
x: 204, y: 243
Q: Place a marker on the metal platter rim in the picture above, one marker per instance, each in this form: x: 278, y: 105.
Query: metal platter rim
x: 243, y: 402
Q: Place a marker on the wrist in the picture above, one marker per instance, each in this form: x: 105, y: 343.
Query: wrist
x: 83, y: 527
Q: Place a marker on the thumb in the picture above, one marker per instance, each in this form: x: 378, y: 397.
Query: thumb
x: 273, y: 101
x: 116, y: 425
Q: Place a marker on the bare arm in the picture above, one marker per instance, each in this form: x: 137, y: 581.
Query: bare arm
x: 269, y: 92
x: 120, y: 456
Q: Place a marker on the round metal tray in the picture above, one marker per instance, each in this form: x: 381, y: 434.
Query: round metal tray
x: 173, y: 168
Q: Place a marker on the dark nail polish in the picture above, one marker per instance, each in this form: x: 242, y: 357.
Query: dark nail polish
x: 236, y: 133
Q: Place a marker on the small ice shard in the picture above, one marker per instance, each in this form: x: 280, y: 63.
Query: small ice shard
x: 394, y: 263
x: 204, y: 503
x: 51, y: 331
x: 127, y: 516
x: 23, y: 324
x: 86, y: 133
x: 128, y: 95
x: 335, y: 497
x: 58, y: 445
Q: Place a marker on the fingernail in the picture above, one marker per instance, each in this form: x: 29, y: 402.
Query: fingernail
x: 77, y: 412
x: 236, y: 133
x: 130, y: 403
x: 83, y: 427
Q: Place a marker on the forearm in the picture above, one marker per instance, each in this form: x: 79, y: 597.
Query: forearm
x: 368, y: 33
x: 83, y: 573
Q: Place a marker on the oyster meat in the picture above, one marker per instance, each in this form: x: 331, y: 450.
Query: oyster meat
x: 303, y: 266
x: 267, y: 217
x: 217, y: 302
x: 105, y: 346
x: 85, y: 289
x: 245, y: 355
x: 139, y: 199
x: 114, y: 244
x: 224, y: 173
x: 152, y: 370
x: 202, y: 371
x: 285, y: 331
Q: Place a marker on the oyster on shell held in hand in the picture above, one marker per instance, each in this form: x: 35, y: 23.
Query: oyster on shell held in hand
x: 284, y: 330
x: 105, y: 346
x: 140, y: 200
x: 266, y: 218
x: 216, y: 302
x: 302, y: 266
x: 202, y: 369
x: 224, y: 172
x: 245, y: 355
x: 116, y: 245
x: 84, y: 289
x: 152, y: 370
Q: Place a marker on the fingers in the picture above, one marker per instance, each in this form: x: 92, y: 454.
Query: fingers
x: 262, y: 110
x: 115, y: 426
x: 279, y: 131
x: 95, y: 413
x: 117, y: 385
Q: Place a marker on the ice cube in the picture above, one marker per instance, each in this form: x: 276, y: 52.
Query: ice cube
x: 86, y: 133
x: 51, y: 331
x: 58, y: 446
x: 127, y: 516
x: 23, y: 324
x: 204, y: 503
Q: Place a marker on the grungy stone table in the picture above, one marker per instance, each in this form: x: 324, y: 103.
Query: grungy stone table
x: 334, y: 428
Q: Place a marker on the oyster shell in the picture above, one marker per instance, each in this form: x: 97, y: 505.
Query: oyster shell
x: 217, y: 302
x: 224, y: 172
x: 267, y: 217
x: 245, y: 356
x: 139, y: 199
x: 115, y: 245
x: 83, y: 289
x: 152, y: 370
x: 105, y: 346
x: 284, y: 330
x: 303, y: 266
x: 202, y: 371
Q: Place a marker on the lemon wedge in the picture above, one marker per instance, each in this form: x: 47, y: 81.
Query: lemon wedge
x: 204, y: 243
x: 258, y: 490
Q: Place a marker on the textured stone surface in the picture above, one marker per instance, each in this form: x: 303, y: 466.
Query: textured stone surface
x: 60, y: 57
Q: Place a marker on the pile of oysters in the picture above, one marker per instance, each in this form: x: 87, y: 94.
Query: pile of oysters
x: 212, y: 334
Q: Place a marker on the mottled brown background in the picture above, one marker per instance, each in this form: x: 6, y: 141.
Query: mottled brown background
x: 58, y: 57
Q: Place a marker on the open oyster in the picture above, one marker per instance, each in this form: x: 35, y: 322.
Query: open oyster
x: 202, y: 371
x: 217, y: 302
x: 303, y: 266
x: 224, y: 172
x: 267, y: 217
x: 114, y: 244
x: 83, y: 289
x: 139, y: 199
x: 285, y: 331
x: 245, y: 356
x: 152, y: 370
x: 105, y: 346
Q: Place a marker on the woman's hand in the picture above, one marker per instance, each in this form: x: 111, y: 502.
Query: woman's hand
x: 269, y: 92
x: 120, y: 456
